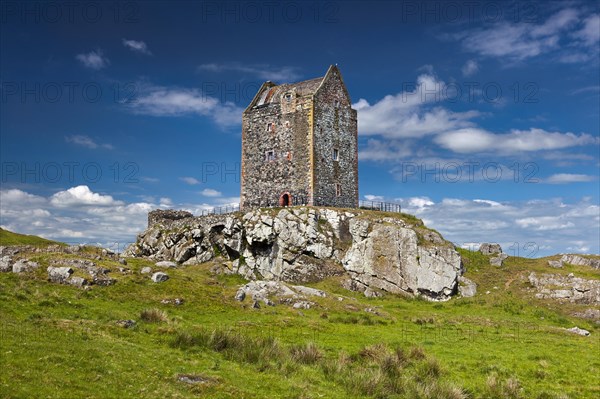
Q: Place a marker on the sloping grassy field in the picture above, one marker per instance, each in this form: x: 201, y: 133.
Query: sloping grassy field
x: 10, y: 238
x: 63, y: 342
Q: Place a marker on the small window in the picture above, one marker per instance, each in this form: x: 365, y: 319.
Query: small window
x: 338, y: 189
x: 288, y: 97
x: 270, y: 156
x: 270, y: 127
x: 336, y: 154
x: 336, y: 103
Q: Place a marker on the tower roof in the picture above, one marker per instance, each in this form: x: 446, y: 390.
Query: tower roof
x: 271, y: 93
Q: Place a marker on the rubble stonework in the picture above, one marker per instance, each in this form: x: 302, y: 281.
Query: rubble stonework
x: 299, y: 145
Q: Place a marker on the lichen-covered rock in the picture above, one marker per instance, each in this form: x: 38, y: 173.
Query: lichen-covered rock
x: 389, y: 258
x: 490, y: 248
x: 498, y: 261
x: 166, y: 264
x: 159, y: 277
x: 59, y: 274
x: 568, y: 288
x: 305, y: 244
x: 5, y: 263
x: 146, y: 270
x: 579, y: 331
x: 24, y: 265
x: 579, y: 260
x: 466, y: 288
x: 557, y: 264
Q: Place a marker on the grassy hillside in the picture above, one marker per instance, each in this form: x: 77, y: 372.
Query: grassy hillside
x: 60, y: 341
x: 10, y: 238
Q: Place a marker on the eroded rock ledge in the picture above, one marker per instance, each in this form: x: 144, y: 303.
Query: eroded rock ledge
x: 396, y: 254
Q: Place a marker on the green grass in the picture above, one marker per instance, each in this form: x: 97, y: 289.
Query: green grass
x: 59, y: 341
x: 10, y: 238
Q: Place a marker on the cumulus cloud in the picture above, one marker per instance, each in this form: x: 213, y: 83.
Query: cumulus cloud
x: 406, y: 115
x: 473, y: 140
x: 261, y: 71
x: 86, y: 141
x: 529, y: 228
x: 81, y: 196
x: 93, y: 60
x: 172, y: 101
x: 137, y: 46
x: 79, y: 214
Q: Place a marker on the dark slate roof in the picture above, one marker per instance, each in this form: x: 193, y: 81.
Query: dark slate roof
x: 305, y: 88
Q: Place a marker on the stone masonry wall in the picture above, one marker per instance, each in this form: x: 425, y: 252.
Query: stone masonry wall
x: 335, y: 128
x: 264, y: 181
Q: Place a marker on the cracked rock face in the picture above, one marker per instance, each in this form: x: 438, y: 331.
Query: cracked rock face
x: 567, y: 288
x: 389, y: 258
x: 305, y: 244
x: 581, y: 261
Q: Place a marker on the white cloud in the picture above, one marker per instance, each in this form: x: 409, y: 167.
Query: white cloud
x: 563, y: 178
x: 172, y: 101
x: 472, y: 140
x: 371, y: 197
x: 590, y: 32
x: 93, y: 60
x: 261, y: 71
x: 81, y: 196
x: 137, y: 46
x: 209, y: 192
x: 192, y: 181
x: 470, y: 68
x: 531, y: 228
x: 80, y: 215
x: 405, y: 114
x: 86, y: 141
x: 567, y: 33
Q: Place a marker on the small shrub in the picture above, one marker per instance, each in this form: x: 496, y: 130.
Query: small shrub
x: 153, y: 316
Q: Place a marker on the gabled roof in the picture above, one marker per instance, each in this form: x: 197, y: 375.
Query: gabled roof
x: 271, y: 93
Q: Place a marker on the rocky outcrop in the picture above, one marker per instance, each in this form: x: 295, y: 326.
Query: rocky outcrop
x: 567, y: 288
x: 304, y: 244
x: 498, y: 261
x: 467, y: 288
x: 490, y: 248
x: 159, y: 277
x: 265, y: 291
x: 579, y: 331
x: 579, y: 260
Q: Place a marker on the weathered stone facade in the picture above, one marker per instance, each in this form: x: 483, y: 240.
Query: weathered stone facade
x: 299, y: 145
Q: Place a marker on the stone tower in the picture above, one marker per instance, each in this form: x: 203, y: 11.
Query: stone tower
x: 299, y: 145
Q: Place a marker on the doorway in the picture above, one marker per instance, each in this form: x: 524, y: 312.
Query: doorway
x: 285, y: 199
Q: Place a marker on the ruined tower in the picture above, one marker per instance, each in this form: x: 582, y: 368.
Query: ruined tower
x: 299, y: 145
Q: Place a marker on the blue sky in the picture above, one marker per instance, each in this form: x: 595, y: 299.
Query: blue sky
x: 482, y: 118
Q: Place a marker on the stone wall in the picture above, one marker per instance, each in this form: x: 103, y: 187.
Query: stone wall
x: 166, y: 216
x: 335, y: 128
x: 264, y: 180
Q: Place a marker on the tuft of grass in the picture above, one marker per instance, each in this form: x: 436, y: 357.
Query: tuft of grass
x: 154, y: 316
x: 306, y: 354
